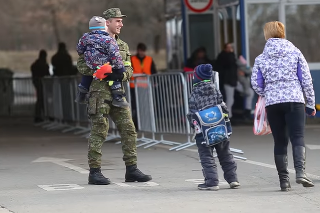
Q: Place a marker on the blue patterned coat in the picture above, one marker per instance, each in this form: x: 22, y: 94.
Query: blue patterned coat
x: 99, y: 48
x: 281, y: 74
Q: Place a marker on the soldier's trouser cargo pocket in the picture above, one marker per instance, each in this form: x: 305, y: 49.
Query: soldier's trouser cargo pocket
x: 99, y: 131
x: 92, y: 106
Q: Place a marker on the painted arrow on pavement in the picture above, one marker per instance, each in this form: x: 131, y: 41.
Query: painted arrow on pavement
x: 61, y: 162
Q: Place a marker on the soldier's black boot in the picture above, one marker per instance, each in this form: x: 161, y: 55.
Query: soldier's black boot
x: 97, y: 178
x: 282, y: 168
x: 133, y: 174
x: 299, y: 159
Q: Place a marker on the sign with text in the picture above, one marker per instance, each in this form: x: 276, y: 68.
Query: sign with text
x: 198, y: 6
x: 173, y: 7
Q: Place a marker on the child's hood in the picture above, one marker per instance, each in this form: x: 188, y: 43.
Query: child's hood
x: 278, y: 48
x: 204, y: 89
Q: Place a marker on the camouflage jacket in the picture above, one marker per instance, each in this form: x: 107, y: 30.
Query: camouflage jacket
x: 102, y: 86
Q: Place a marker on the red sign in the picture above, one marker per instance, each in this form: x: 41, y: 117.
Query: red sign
x: 198, y: 6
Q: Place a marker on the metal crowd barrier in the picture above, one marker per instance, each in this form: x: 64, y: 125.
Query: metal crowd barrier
x: 144, y: 108
x: 17, y: 96
x: 168, y: 97
x: 60, y: 109
x: 153, y: 112
x: 161, y: 105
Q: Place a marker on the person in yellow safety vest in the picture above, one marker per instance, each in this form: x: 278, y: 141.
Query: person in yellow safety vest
x: 141, y: 64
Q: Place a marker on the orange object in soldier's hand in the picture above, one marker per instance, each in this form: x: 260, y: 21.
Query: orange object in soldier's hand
x: 102, y: 71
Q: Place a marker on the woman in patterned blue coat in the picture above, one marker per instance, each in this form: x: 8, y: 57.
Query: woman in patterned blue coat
x: 281, y: 74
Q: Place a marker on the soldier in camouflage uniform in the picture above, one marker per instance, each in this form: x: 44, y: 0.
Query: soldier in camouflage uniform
x: 99, y: 107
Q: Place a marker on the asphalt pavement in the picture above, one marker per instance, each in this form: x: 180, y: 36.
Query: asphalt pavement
x: 45, y: 171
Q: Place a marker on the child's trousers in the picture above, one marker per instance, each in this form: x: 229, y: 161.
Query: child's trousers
x: 209, y: 167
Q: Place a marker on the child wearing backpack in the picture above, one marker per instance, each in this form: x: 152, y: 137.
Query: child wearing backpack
x: 208, y: 115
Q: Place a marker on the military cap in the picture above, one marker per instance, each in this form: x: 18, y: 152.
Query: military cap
x: 113, y: 13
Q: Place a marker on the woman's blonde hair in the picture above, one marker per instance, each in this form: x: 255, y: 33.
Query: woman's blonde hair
x: 274, y: 29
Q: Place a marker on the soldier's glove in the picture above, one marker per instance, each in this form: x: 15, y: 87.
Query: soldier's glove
x: 114, y: 77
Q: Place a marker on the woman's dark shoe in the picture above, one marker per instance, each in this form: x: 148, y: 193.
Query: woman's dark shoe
x: 299, y: 159
x: 282, y: 168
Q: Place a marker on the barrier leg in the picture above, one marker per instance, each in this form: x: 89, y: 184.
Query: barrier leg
x: 82, y: 131
x: 144, y: 140
x: 85, y: 135
x: 236, y: 151
x: 42, y: 123
x: 50, y: 125
x: 181, y: 145
x: 59, y: 126
x: 69, y: 129
x: 186, y: 146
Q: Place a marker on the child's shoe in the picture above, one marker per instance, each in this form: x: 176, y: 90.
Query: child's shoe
x: 203, y: 186
x: 234, y: 185
x: 82, y: 95
x: 120, y: 102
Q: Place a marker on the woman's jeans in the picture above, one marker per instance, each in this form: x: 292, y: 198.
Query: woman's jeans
x: 287, y: 120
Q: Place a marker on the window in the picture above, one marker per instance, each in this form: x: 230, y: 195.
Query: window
x: 258, y: 15
x: 303, y: 24
x: 201, y: 33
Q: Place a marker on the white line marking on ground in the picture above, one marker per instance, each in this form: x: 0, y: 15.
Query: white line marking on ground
x: 151, y: 184
x: 4, y: 210
x: 313, y: 147
x: 254, y: 163
x: 198, y: 181
x: 72, y: 167
x: 61, y: 162
x: 123, y: 184
x: 146, y: 184
x: 274, y: 167
x: 60, y: 187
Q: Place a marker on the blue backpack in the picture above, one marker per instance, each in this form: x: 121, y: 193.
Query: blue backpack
x: 214, y: 125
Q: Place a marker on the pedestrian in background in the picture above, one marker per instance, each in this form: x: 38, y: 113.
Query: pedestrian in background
x: 39, y: 69
x: 62, y: 61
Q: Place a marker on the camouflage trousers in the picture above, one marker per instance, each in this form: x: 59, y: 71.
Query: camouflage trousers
x: 98, y: 111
